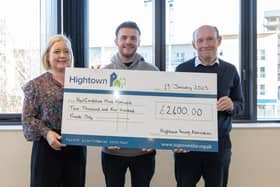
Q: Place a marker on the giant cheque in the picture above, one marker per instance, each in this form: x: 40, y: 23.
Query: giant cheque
x: 140, y: 109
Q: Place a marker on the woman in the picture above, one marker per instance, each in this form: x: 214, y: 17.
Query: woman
x: 53, y: 164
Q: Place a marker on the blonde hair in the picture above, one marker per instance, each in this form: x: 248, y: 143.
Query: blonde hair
x: 52, y: 41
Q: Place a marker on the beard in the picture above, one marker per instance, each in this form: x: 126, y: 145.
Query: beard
x: 127, y: 55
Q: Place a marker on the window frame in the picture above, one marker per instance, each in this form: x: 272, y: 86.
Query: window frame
x: 248, y: 52
x: 49, y: 14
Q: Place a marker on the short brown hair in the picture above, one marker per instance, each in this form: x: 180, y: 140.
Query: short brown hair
x: 127, y: 24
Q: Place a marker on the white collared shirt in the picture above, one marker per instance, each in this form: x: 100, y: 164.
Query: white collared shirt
x: 197, y: 62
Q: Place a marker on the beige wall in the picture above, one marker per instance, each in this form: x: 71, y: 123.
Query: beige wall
x: 255, y: 161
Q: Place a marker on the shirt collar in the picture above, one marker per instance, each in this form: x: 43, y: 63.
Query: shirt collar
x: 198, y: 62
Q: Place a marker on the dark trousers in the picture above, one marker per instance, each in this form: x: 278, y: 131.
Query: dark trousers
x: 51, y: 168
x: 213, y: 167
x: 141, y: 169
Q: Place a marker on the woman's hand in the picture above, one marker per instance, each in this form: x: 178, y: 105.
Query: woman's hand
x: 53, y: 139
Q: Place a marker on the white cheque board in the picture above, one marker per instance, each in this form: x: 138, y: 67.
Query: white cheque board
x: 140, y: 109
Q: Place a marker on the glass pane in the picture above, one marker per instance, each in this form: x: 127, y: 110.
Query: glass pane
x: 268, y: 60
x: 20, y: 40
x: 105, y: 16
x: 183, y: 17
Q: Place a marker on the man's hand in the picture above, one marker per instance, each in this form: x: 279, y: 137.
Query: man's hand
x: 147, y: 150
x: 113, y: 148
x: 225, y: 104
x: 180, y: 151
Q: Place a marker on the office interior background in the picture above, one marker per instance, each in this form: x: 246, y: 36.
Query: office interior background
x: 250, y: 33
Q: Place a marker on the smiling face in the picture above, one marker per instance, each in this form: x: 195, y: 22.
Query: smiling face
x: 59, y: 56
x: 128, y: 40
x: 206, y: 41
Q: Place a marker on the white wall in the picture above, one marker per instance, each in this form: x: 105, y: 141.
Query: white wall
x: 255, y: 161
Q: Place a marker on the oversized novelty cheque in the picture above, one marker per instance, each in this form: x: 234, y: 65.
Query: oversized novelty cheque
x: 140, y: 109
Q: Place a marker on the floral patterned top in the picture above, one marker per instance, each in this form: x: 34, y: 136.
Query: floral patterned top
x: 42, y: 107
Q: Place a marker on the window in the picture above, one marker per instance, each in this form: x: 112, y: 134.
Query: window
x: 262, y: 54
x: 180, y: 57
x: 265, y: 111
x: 278, y: 72
x: 268, y: 25
x: 19, y: 49
x: 262, y: 72
x: 278, y: 92
x: 182, y: 19
x: 262, y: 89
x: 102, y: 26
x: 23, y: 31
x: 22, y: 38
